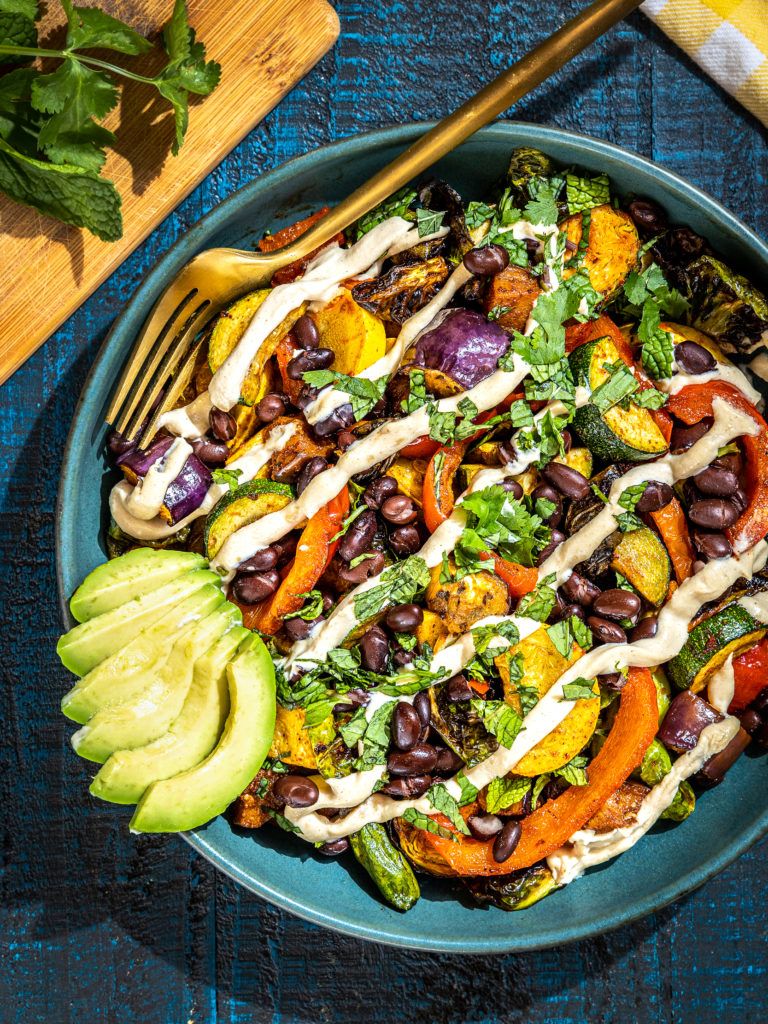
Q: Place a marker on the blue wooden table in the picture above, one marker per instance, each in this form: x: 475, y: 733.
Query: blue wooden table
x: 96, y: 926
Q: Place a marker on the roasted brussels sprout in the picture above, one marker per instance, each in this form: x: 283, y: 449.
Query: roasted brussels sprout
x: 527, y: 165
x: 726, y: 305
x: 438, y: 195
x: 655, y: 765
x: 459, y: 726
x: 683, y: 804
x: 402, y: 290
x: 513, y: 892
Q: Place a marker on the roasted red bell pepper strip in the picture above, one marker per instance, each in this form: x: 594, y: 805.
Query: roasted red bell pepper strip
x: 422, y: 448
x: 520, y: 579
x: 691, y: 405
x: 289, y: 234
x: 552, y: 824
x: 313, y: 553
x: 750, y: 675
x: 438, y: 498
x: 673, y: 529
x: 284, y: 353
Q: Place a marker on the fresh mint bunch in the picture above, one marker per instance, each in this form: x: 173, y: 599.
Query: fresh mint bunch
x: 52, y: 144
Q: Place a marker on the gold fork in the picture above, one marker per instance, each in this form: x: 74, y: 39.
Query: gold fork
x: 163, y: 357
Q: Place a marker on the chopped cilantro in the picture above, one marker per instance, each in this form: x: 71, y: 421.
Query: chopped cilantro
x: 363, y: 394
x: 397, y: 585
x: 396, y: 206
x: 539, y: 603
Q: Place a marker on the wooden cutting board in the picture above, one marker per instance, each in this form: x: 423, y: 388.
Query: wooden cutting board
x: 48, y: 269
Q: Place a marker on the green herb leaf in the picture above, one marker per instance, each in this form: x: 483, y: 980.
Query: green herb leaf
x: 628, y: 521
x: 313, y: 606
x: 496, y: 312
x: 579, y: 689
x: 586, y: 193
x: 417, y: 392
x: 443, y: 802
x: 502, y: 793
x: 283, y: 822
x: 363, y: 394
x: 658, y: 350
x: 540, y: 602
x: 575, y: 771
x: 468, y: 791
x: 396, y: 206
x: 427, y: 824
x: 376, y: 738
x: 477, y: 214
x: 227, y: 477
x: 428, y: 221
x: 354, y: 730
x: 620, y: 385
x: 398, y: 585
x: 543, y: 209
x: 650, y: 398
x: 90, y: 28
x: 500, y: 719
x: 631, y: 495
x: 538, y: 787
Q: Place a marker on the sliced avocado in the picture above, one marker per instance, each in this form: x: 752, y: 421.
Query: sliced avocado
x: 83, y: 647
x: 124, y: 675
x: 131, y: 575
x: 190, y: 739
x: 194, y: 797
x: 134, y: 724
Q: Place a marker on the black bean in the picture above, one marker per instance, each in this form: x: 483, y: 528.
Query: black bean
x: 345, y: 439
x: 580, y: 590
x: 612, y: 681
x: 647, y: 216
x: 760, y: 703
x: 505, y: 843
x: 212, y: 453
x: 566, y: 479
x: 286, y: 548
x: 716, y: 482
x: 458, y: 689
x: 309, y: 471
x: 377, y: 491
x: 512, y: 487
x: 255, y: 587
x: 223, y: 425
x: 399, y: 509
x: 448, y: 761
x: 712, y: 545
x: 312, y: 359
x: 484, y: 826
x: 270, y: 407
x: 423, y: 707
x: 328, y: 601
x: 486, y: 260
x: 406, y: 726
x: 713, y: 513
x: 307, y: 395
x: 419, y: 760
x: 405, y: 540
x: 359, y: 536
x: 296, y: 790
x: 401, y: 657
x: 374, y: 649
x: 550, y: 494
x: 761, y: 736
x: 339, y: 419
x: 555, y: 540
x: 693, y: 358
x: 608, y: 632
x: 305, y: 331
x: 684, y: 437
x: 297, y: 629
x: 751, y: 721
x: 405, y: 618
x: 567, y: 610
x: 262, y: 561
x: 407, y: 788
x: 739, y: 498
x: 363, y: 570
x: 119, y: 445
x: 731, y: 461
x: 617, y: 604
x: 507, y: 452
x: 645, y: 628
x: 685, y: 242
x: 335, y: 847
x: 567, y: 440
x: 657, y: 495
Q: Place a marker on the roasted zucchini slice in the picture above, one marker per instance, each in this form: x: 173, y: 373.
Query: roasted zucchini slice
x: 641, y: 557
x: 628, y: 435
x: 241, y: 507
x: 732, y: 630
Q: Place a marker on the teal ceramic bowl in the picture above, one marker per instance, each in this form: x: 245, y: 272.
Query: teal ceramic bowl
x: 336, y: 894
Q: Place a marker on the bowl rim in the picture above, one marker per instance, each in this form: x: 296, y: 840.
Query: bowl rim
x: 182, y: 249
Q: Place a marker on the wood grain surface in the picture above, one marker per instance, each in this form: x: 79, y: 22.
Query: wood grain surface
x: 264, y: 47
x: 98, y: 927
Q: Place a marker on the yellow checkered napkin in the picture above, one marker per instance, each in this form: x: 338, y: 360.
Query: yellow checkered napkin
x: 728, y: 38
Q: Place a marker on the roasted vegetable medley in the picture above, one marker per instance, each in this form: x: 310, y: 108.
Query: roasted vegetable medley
x: 452, y: 558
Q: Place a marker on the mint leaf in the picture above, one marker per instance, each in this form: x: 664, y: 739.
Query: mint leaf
x: 500, y: 719
x: 579, y: 689
x: 354, y: 730
x: 428, y: 221
x: 650, y: 398
x: 443, y: 802
x: 398, y: 585
x: 313, y: 606
x: 620, y: 385
x: 586, y: 193
x: 575, y: 771
x: 427, y: 824
x: 477, y: 214
x: 540, y: 602
x: 631, y: 495
x: 396, y: 206
x: 468, y: 791
x: 628, y: 521
x: 657, y: 353
x: 502, y: 793
x: 71, y: 194
x: 363, y: 394
x: 227, y: 477
x: 283, y: 822
x: 417, y: 392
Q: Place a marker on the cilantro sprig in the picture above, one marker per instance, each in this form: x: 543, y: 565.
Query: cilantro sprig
x: 52, y: 143
x: 363, y: 394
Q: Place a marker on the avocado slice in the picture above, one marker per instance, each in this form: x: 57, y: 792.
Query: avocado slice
x: 134, y: 724
x: 129, y: 576
x: 124, y: 675
x: 194, y: 797
x: 83, y: 647
x: 190, y: 739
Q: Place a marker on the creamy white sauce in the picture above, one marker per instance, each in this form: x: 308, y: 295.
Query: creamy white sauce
x: 756, y: 605
x: 721, y: 686
x: 330, y: 399
x: 319, y: 283
x: 189, y: 421
x: 674, y: 618
x: 146, y: 498
x: 759, y: 365
x: 380, y: 444
x: 156, y: 528
x: 723, y: 371
x: 587, y: 848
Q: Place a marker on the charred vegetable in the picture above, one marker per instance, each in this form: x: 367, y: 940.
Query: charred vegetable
x: 438, y: 195
x: 462, y: 602
x: 242, y: 506
x: 620, y: 809
x: 510, y: 297
x: 388, y: 868
x: 725, y: 305
x: 612, y: 249
x: 643, y: 560
x: 463, y: 345
x: 355, y: 337
x: 460, y: 726
x: 402, y: 290
x: 732, y: 630
x: 513, y: 892
x: 527, y: 169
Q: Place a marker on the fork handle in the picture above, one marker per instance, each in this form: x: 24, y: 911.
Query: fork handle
x: 530, y: 71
